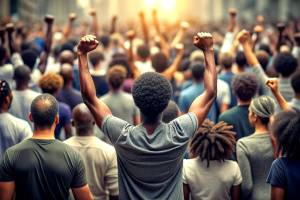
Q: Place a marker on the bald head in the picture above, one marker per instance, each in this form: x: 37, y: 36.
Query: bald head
x: 67, y: 57
x: 82, y: 120
x: 66, y: 72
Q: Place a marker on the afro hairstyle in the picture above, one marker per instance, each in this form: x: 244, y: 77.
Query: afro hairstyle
x: 159, y: 62
x: 171, y: 112
x: 286, y: 130
x: 213, y: 142
x: 51, y: 82
x: 296, y: 81
x: 285, y: 64
x: 151, y: 93
x: 244, y: 85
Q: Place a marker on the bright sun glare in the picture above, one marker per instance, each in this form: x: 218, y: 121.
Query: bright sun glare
x: 166, y: 5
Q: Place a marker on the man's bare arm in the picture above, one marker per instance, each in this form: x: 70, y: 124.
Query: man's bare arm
x: 82, y: 193
x: 232, y: 13
x: 130, y: 35
x: 202, y: 104
x: 179, y: 36
x: 273, y: 84
x: 144, y: 27
x: 114, y: 24
x: 169, y: 72
x: 7, y: 190
x: 93, y: 13
x: 98, y: 109
x: 68, y: 27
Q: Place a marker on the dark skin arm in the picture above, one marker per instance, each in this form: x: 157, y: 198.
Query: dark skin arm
x: 232, y: 13
x: 277, y: 193
x: 68, y: 131
x: 130, y: 35
x: 98, y: 109
x: 114, y: 24
x: 144, y: 27
x: 186, y: 191
x: 7, y: 190
x: 236, y: 192
x: 49, y: 19
x: 11, y: 40
x: 93, y: 13
x: 257, y: 30
x: 202, y: 104
x: 68, y: 27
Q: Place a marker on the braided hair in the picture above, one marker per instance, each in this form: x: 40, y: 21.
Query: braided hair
x: 263, y: 107
x: 213, y: 142
x: 4, y: 91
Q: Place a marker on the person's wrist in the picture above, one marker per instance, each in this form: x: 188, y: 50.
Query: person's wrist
x: 80, y: 52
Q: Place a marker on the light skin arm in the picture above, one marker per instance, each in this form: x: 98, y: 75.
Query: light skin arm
x: 179, y: 36
x: 82, y: 193
x: 277, y: 193
x: 273, y: 84
x: 186, y: 191
x: 224, y: 107
x: 98, y: 109
x: 236, y: 192
x: 202, y: 104
x: 114, y: 24
x: 7, y: 190
x: 169, y: 72
x: 68, y: 27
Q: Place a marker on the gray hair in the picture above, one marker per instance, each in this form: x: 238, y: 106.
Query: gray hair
x: 263, y: 106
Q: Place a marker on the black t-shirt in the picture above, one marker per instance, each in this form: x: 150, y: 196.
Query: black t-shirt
x: 100, y: 84
x: 43, y: 169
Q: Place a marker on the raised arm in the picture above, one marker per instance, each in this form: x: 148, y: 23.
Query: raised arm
x: 202, y: 104
x: 130, y: 35
x: 114, y: 24
x: 257, y: 30
x: 144, y: 27
x: 68, y: 27
x: 13, y: 47
x: 178, y: 38
x: 228, y: 43
x: 93, y: 13
x: 163, y: 43
x: 232, y: 13
x: 169, y: 72
x: 49, y: 19
x: 273, y: 84
x: 98, y: 109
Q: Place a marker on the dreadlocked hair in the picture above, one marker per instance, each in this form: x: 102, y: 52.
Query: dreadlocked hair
x: 4, y: 91
x: 213, y: 142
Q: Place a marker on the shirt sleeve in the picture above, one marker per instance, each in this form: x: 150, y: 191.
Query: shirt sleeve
x: 276, y: 175
x: 112, y: 127
x: 185, y: 125
x: 79, y: 179
x: 26, y: 132
x: 238, y: 176
x: 184, y: 177
x: 227, y: 43
x: 6, y: 171
x: 16, y: 60
x: 223, y: 94
x: 262, y: 77
x: 111, y: 176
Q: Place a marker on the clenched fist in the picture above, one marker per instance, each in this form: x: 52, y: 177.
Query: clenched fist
x: 203, y: 41
x: 87, y: 43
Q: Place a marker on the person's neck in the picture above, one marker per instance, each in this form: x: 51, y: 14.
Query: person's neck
x: 297, y: 95
x: 4, y: 109
x: 241, y: 69
x: 84, y: 133
x: 228, y: 70
x: 150, y: 122
x: 243, y: 103
x: 68, y: 84
x: 261, y: 128
x: 198, y: 81
x: 43, y: 133
x: 22, y: 87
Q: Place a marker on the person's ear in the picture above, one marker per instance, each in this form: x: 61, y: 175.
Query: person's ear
x: 72, y: 122
x: 94, y: 123
x: 30, y: 117
x: 57, y: 119
x: 255, y: 118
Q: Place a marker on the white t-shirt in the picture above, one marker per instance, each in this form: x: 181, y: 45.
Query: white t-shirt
x: 223, y: 93
x: 12, y: 131
x: 214, y: 182
x: 144, y: 66
x: 21, y: 103
x: 7, y: 73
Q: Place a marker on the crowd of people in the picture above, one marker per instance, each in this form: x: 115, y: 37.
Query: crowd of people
x: 131, y: 114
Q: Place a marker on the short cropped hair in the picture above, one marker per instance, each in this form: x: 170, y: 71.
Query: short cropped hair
x: 240, y: 59
x: 104, y: 40
x: 95, y: 56
x: 263, y: 58
x: 285, y: 64
x: 286, y: 130
x: 143, y: 51
x: 29, y: 57
x: 198, y: 71
x: 22, y: 73
x: 116, y: 76
x: 213, y: 142
x: 244, y: 85
x: 44, y: 109
x: 296, y: 81
x: 4, y: 91
x: 226, y: 59
x: 123, y: 61
x: 151, y: 93
x: 264, y: 107
x: 159, y: 62
x: 171, y: 112
x: 51, y: 82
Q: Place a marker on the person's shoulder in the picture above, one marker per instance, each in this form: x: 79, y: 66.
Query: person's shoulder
x: 228, y: 113
x: 33, y: 93
x: 63, y: 106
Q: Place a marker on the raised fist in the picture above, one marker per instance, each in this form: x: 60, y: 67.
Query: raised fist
x: 93, y: 12
x: 243, y: 36
x: 179, y: 47
x: 232, y: 12
x: 273, y: 84
x: 87, y: 43
x: 130, y: 34
x: 258, y: 29
x: 141, y: 14
x: 260, y: 18
x: 203, y: 41
x: 10, y: 27
x: 184, y: 25
x: 49, y: 19
x: 72, y: 16
x: 297, y: 38
x: 281, y: 27
x: 115, y: 17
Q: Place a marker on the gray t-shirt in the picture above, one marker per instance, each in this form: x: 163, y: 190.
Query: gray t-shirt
x: 150, y: 166
x: 121, y: 105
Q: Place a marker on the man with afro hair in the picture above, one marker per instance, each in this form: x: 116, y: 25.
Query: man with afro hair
x: 150, y: 155
x: 244, y: 86
x: 295, y: 102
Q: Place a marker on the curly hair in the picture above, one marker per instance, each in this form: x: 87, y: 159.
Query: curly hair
x: 171, y: 112
x: 151, y: 93
x: 263, y: 107
x: 213, y: 142
x: 116, y: 76
x: 285, y: 64
x: 244, y: 85
x: 51, y: 82
x: 286, y: 130
x: 44, y: 109
x: 95, y: 57
x: 159, y: 62
x: 296, y: 81
x: 4, y: 91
